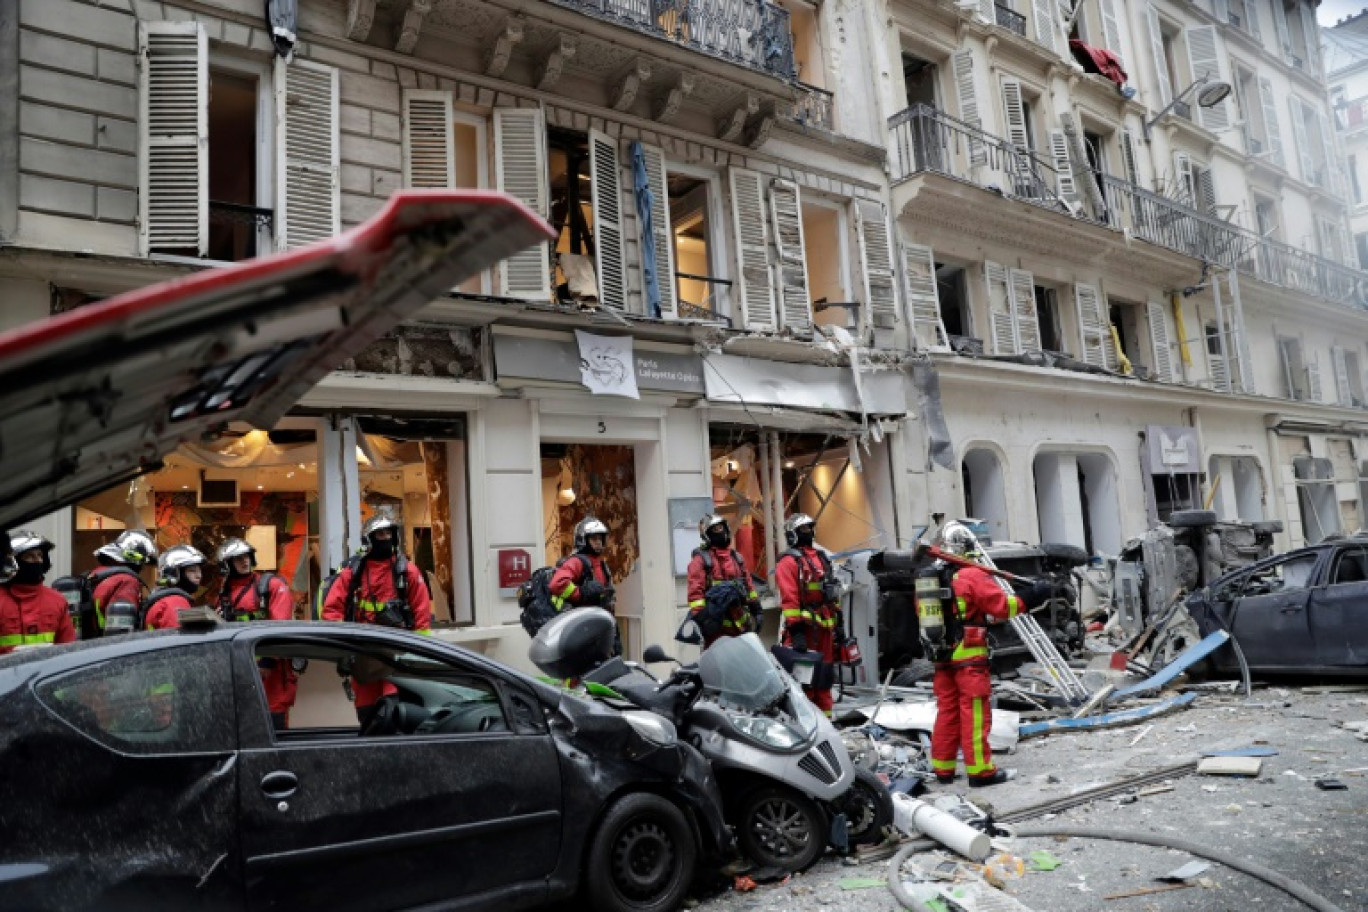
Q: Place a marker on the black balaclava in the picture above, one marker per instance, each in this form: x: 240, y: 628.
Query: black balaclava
x: 381, y: 550
x: 719, y: 536
x: 31, y: 574
x: 805, y: 536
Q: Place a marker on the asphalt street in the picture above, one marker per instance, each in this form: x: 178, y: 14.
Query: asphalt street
x: 1279, y: 818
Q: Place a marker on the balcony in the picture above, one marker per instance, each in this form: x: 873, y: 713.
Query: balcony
x: 926, y: 140
x: 751, y: 33
x: 813, y: 107
x: 1010, y: 19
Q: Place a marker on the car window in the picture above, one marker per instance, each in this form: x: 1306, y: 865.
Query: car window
x: 1284, y: 576
x: 1351, y: 566
x: 174, y: 700
x: 336, y: 690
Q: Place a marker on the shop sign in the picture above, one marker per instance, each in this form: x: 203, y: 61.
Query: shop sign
x: 534, y: 358
x: 515, y: 568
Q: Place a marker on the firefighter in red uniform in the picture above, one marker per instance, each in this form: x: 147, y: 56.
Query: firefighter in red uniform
x: 247, y: 595
x: 962, y: 685
x: 32, y: 614
x: 116, y: 579
x: 180, y: 571
x: 582, y: 579
x: 384, y: 588
x: 803, y: 575
x: 722, y: 601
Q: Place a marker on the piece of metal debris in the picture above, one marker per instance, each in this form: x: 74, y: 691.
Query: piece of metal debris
x: 1185, y: 872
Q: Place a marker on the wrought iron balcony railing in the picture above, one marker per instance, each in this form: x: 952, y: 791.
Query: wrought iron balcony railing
x: 234, y: 230
x: 924, y: 139
x: 1010, y: 19
x: 813, y: 107
x: 752, y: 33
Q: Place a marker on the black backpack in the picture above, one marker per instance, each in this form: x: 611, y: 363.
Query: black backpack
x: 534, y: 596
x: 79, y: 592
x: 227, y: 610
x: 156, y: 595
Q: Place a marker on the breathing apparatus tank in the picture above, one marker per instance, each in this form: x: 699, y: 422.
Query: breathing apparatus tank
x: 930, y: 596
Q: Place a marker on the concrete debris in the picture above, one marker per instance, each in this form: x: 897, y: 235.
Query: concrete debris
x: 1230, y: 766
x: 1359, y: 729
x: 1186, y: 872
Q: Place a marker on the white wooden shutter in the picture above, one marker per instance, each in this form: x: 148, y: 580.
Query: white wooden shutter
x: 1024, y: 309
x: 1157, y: 58
x: 429, y: 153
x: 987, y: 11
x: 1313, y: 381
x: 968, y: 104
x: 1343, y: 394
x: 1128, y: 162
x: 1239, y: 339
x: 1206, y: 188
x: 308, y: 178
x: 1251, y: 11
x: 1014, y: 114
x: 876, y: 257
x: 520, y: 171
x: 1159, y: 341
x: 1000, y: 314
x: 1272, y: 135
x: 1289, y: 351
x: 1207, y: 59
x: 923, y: 297
x: 1111, y: 31
x: 1043, y: 15
x: 1065, y: 184
x: 661, y: 227
x: 173, y: 125
x: 1094, y: 327
x: 605, y: 190
x: 1280, y: 29
x: 1331, y: 172
x: 786, y: 214
x: 1311, y: 33
x: 1300, y: 139
x: 1217, y: 367
x: 752, y: 250
x: 1184, y: 188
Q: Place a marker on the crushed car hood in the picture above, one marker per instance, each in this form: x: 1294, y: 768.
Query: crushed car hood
x: 100, y: 394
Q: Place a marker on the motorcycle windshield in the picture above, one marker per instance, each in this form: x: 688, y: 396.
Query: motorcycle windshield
x: 742, y: 674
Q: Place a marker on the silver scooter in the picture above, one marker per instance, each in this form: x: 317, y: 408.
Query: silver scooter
x: 789, y: 787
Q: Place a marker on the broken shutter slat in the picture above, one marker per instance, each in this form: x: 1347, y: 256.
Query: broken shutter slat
x: 786, y: 214
x: 1159, y: 341
x: 1024, y: 310
x: 876, y: 257
x: 1128, y: 161
x: 752, y: 250
x: 1066, y: 186
x: 923, y: 297
x: 1000, y: 313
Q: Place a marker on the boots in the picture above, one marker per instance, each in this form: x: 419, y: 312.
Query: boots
x: 993, y: 778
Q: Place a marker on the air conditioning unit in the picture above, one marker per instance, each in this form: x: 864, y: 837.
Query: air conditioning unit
x: 218, y: 492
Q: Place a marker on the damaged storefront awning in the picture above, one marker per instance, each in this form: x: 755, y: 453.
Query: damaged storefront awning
x: 750, y: 381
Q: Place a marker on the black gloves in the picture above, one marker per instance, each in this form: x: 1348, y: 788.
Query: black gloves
x: 597, y: 594
x: 1035, y: 593
x: 799, y: 640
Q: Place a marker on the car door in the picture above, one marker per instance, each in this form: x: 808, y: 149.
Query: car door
x: 123, y: 788
x: 1270, y: 620
x: 467, y: 809
x: 1339, y: 611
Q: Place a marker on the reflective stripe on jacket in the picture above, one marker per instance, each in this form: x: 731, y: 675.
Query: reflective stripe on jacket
x: 33, y: 615
x: 978, y: 597
x: 376, y: 587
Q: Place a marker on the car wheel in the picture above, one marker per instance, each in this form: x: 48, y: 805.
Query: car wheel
x: 781, y: 828
x: 642, y: 857
x: 1192, y: 519
x: 914, y: 672
x: 1072, y: 555
x: 868, y: 806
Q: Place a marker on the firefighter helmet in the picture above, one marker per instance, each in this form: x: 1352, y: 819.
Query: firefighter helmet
x: 133, y: 547
x: 25, y: 540
x: 174, y: 560
x: 375, y: 524
x: 793, y: 524
x: 588, y: 527
x: 230, y: 549
x: 710, y: 522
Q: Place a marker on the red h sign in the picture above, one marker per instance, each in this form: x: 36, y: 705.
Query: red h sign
x: 515, y: 567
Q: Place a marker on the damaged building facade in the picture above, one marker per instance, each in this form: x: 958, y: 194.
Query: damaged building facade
x: 865, y: 261
x: 717, y: 326
x: 1147, y: 273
